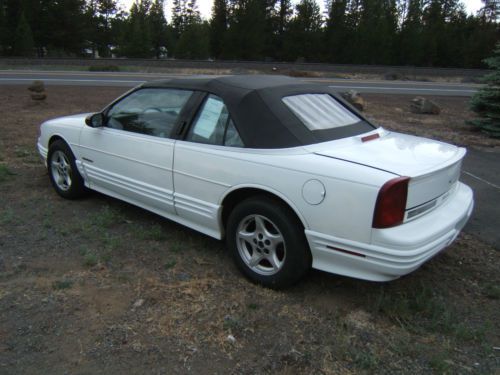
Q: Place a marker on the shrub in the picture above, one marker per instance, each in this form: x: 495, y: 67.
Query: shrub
x: 486, y: 102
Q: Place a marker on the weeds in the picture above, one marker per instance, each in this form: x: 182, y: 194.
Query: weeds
x: 154, y: 233
x: 170, y: 264
x: 7, y: 216
x: 365, y: 359
x: 492, y: 291
x: 440, y: 364
x: 105, y: 218
x: 5, y: 173
x: 90, y: 259
x: 62, y: 284
x: 176, y: 246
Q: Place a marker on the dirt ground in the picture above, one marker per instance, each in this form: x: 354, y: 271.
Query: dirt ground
x: 99, y: 286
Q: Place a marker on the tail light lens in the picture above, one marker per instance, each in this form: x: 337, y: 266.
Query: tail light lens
x: 391, y: 203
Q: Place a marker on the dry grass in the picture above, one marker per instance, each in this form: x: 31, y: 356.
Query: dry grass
x: 159, y: 298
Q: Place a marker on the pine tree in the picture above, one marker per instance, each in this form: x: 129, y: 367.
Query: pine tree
x: 410, y: 51
x: 218, y: 28
x: 23, y: 40
x: 159, y: 28
x: 194, y: 42
x: 336, y: 31
x: 486, y: 102
x: 304, y: 37
x: 136, y: 40
x: 246, y: 35
x: 3, y: 30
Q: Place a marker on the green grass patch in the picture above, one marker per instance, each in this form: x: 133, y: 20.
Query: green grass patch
x: 7, y: 216
x: 153, y: 233
x: 104, y: 68
x: 492, y: 291
x: 105, y: 218
x: 5, y: 173
x: 90, y: 259
x: 169, y: 265
x: 416, y: 309
x: 176, y: 246
x: 62, y: 284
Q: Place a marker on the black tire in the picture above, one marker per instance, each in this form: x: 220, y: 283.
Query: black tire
x: 278, y: 255
x: 63, y: 173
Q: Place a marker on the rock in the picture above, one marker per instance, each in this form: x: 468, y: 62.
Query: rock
x: 355, y: 99
x: 39, y: 96
x: 424, y: 106
x: 138, y: 303
x: 37, y: 86
x: 231, y: 339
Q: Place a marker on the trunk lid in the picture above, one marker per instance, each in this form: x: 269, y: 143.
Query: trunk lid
x: 401, y: 154
x: 433, y: 166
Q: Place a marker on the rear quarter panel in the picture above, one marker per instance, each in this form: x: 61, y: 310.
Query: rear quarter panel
x: 351, y: 189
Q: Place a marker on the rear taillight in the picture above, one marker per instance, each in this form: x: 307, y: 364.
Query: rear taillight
x: 391, y: 203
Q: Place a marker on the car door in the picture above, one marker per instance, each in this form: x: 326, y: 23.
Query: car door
x: 131, y: 156
x: 203, y: 167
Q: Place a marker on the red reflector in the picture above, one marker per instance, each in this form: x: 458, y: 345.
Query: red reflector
x: 391, y: 203
x: 370, y: 137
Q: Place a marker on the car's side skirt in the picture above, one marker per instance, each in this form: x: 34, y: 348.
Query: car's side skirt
x: 209, y: 231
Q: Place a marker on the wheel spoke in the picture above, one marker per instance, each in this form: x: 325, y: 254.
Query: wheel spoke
x: 246, y: 236
x: 260, y: 226
x: 255, y: 259
x: 275, y: 263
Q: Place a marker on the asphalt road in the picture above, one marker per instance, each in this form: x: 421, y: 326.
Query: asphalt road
x: 133, y: 79
x: 481, y: 171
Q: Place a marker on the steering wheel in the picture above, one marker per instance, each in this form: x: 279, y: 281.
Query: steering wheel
x: 151, y: 109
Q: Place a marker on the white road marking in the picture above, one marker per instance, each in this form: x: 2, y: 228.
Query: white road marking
x: 74, y: 80
x: 481, y: 179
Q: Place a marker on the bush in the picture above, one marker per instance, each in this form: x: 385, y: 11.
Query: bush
x: 486, y: 102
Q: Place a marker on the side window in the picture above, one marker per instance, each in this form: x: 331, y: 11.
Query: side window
x: 148, y: 111
x: 213, y: 125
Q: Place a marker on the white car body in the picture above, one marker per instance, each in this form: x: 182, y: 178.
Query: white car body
x: 331, y: 186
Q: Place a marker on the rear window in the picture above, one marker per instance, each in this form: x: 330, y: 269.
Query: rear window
x: 320, y: 111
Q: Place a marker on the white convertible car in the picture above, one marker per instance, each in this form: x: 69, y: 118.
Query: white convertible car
x: 287, y: 172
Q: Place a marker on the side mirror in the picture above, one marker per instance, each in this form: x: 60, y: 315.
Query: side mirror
x: 95, y: 120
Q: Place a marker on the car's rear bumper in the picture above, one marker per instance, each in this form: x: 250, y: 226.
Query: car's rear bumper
x: 396, y: 251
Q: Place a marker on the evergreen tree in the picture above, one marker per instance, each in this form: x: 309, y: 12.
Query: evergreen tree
x: 336, y: 31
x: 4, y: 38
x: 23, y: 40
x: 486, y: 102
x: 304, y: 36
x: 247, y: 27
x: 184, y: 14
x: 159, y: 28
x: 410, y: 37
x: 63, y: 27
x: 218, y: 28
x: 194, y: 42
x: 490, y: 10
x: 136, y: 40
x: 279, y: 18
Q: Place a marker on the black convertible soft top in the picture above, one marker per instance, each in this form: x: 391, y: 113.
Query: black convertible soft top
x: 256, y: 107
